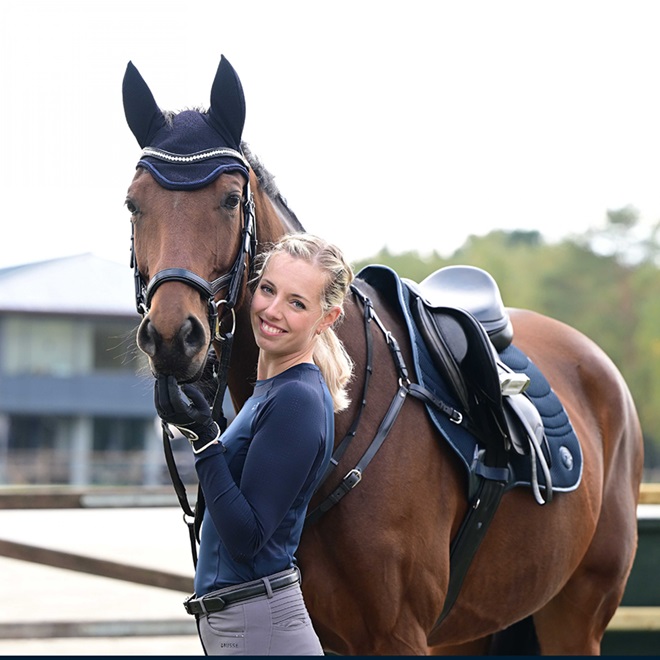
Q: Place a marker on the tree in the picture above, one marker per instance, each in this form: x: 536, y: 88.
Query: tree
x: 598, y: 283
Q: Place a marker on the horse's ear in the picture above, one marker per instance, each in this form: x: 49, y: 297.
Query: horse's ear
x: 143, y: 115
x: 227, y: 110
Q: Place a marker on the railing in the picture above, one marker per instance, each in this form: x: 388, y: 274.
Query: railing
x: 635, y: 628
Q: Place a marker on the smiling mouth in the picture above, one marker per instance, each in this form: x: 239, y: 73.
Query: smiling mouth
x: 270, y: 329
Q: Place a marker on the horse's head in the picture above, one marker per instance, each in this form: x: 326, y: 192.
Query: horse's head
x: 193, y: 229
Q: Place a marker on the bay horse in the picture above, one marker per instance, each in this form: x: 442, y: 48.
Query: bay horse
x: 376, y: 567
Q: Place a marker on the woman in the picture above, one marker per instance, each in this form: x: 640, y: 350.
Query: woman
x: 259, y: 478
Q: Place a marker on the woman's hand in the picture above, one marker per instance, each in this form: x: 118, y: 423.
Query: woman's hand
x: 186, y: 408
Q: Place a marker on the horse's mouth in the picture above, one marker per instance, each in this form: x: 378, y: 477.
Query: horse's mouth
x: 182, y: 368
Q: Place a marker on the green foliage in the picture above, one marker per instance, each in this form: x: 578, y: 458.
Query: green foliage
x: 604, y: 283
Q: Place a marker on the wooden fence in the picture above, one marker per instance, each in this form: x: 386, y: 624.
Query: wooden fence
x: 634, y: 630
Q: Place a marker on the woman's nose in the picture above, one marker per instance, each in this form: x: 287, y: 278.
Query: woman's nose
x: 274, y: 308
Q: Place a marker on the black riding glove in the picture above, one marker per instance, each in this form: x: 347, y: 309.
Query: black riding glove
x: 186, y: 408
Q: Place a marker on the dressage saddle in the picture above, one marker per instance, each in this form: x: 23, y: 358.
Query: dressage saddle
x: 459, y: 313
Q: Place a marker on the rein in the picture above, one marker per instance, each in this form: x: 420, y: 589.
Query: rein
x: 209, y: 290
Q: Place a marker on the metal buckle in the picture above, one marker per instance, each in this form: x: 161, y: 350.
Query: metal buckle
x: 353, y: 478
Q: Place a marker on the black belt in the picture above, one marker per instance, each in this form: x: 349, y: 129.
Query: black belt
x: 208, y: 604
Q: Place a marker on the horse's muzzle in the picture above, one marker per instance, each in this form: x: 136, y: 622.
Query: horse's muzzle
x: 182, y: 354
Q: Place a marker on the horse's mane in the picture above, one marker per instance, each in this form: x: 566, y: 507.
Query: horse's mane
x: 268, y: 185
x: 265, y: 178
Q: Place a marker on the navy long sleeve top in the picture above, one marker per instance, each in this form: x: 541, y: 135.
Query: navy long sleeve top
x: 258, y: 483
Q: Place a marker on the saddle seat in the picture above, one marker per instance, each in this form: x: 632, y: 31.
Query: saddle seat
x: 474, y: 290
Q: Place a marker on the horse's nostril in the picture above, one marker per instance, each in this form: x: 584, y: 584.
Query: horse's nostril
x: 147, y: 337
x: 192, y: 336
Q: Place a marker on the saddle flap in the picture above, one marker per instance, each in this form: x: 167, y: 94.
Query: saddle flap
x: 447, y: 346
x: 462, y: 352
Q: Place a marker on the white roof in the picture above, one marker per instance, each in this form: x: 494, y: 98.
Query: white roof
x: 81, y: 284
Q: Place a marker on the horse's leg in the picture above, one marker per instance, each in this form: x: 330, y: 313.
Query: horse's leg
x: 613, y: 456
x: 477, y: 647
x: 583, y: 609
x: 375, y: 566
x: 517, y: 639
x: 360, y: 609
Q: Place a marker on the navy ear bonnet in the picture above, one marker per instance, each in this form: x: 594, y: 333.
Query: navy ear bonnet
x: 190, y: 149
x: 179, y: 156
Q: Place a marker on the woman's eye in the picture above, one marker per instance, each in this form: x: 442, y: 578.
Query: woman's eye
x: 298, y: 304
x: 265, y: 288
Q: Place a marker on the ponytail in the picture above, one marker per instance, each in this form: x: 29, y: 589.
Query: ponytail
x: 336, y: 365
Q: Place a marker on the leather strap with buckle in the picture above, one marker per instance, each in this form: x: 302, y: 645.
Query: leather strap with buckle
x: 209, y: 604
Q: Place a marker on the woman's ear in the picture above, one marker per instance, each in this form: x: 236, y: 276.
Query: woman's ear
x: 329, y: 319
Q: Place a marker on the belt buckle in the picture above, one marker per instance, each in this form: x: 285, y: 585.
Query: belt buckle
x: 218, y: 605
x: 187, y: 603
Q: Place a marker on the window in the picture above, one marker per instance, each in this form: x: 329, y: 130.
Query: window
x: 57, y: 346
x: 44, y: 346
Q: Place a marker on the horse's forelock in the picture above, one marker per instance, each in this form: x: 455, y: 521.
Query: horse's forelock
x: 171, y: 114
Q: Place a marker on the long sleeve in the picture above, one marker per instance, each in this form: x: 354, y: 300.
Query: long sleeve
x: 287, y: 443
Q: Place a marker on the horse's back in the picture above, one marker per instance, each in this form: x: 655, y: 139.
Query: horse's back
x: 593, y: 392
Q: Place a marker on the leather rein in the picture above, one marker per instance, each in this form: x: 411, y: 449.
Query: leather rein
x: 232, y: 281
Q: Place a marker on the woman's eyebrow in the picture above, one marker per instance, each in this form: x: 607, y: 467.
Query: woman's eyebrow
x: 293, y: 294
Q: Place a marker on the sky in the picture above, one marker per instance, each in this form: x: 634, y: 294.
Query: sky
x: 407, y: 125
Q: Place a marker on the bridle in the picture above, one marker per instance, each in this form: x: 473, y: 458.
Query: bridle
x: 232, y: 280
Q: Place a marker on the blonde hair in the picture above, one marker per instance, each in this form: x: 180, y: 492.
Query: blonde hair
x: 330, y: 356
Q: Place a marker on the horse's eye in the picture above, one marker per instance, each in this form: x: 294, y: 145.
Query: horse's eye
x: 132, y: 208
x: 233, y: 201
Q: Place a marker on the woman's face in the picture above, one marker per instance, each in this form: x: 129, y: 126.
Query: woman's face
x: 286, y: 309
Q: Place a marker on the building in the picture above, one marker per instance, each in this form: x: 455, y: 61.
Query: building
x: 76, y: 395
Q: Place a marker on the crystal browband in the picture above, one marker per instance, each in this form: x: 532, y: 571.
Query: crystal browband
x: 196, y: 157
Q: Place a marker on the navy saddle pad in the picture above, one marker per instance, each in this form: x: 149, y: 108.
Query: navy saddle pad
x: 565, y: 451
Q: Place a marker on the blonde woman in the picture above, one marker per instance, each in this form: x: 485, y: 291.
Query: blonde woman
x: 259, y: 477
